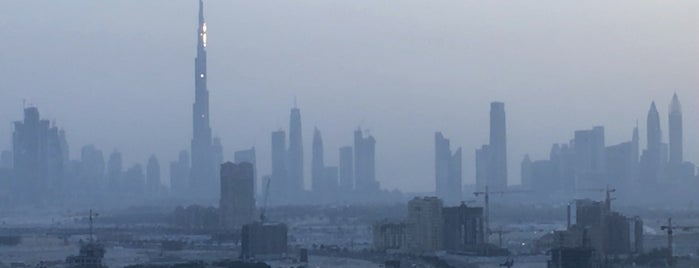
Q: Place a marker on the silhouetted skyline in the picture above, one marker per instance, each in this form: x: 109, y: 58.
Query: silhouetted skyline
x: 137, y: 71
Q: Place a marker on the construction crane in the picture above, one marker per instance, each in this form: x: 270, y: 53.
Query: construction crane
x: 486, y: 200
x: 264, y: 203
x: 670, y: 228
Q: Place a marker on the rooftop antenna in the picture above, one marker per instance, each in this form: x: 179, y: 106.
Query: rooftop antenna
x: 295, y: 104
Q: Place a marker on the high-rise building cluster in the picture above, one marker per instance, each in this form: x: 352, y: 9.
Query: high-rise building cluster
x: 352, y: 180
x: 588, y: 163
x: 38, y: 170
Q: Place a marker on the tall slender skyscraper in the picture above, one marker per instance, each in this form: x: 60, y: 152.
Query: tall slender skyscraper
x: 447, y: 171
x: 652, y: 156
x: 279, y: 185
x: 654, y: 133
x: 317, y: 163
x: 497, y: 166
x: 295, y: 154
x: 675, y: 129
x: 203, y: 175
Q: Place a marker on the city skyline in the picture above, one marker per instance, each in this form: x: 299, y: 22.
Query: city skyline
x: 465, y: 125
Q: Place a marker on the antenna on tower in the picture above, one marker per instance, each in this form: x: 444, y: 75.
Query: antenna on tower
x: 295, y: 104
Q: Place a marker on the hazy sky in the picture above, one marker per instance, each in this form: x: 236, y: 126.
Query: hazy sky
x: 119, y: 74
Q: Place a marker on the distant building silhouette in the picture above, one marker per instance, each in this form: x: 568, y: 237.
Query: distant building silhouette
x: 346, y: 169
x: 153, y: 181
x: 247, y: 156
x: 295, y: 154
x: 491, y: 159
x: 675, y: 130
x: 317, y: 164
x: 448, y: 175
x: 590, y: 158
x: 179, y: 174
x: 330, y: 184
x: 91, y: 173
x: 497, y: 168
x: 622, y: 161
x: 526, y: 173
x: 365, y: 163
x: 237, y: 203
x: 114, y: 172
x: 39, y: 157
x: 203, y: 167
x: 279, y: 186
x: 134, y: 184
x: 651, y: 159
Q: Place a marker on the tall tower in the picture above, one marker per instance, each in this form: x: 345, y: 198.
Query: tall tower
x: 675, y: 129
x: 652, y: 158
x: 295, y: 163
x: 654, y: 134
x: 365, y: 163
x: 202, y: 176
x: 497, y: 166
x: 317, y: 163
x: 447, y: 171
x: 279, y: 184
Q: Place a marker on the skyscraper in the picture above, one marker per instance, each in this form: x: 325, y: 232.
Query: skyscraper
x: 279, y: 179
x: 590, y: 158
x: 317, y: 163
x: 179, y: 172
x: 114, y: 171
x: 237, y: 203
x: 497, y: 166
x: 203, y: 176
x: 653, y: 155
x: 654, y: 133
x: 38, y: 157
x: 153, y: 182
x: 346, y: 169
x: 675, y: 130
x: 295, y: 153
x: 447, y: 171
x: 247, y: 156
x: 364, y: 163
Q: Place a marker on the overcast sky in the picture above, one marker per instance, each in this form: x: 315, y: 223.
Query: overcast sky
x: 119, y: 74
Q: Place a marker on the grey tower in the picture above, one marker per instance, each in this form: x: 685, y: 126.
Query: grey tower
x: 237, y: 203
x: 203, y: 175
x: 153, y: 182
x: 653, y: 130
x: 497, y: 164
x: 365, y: 163
x: 652, y: 157
x: 675, y: 130
x: 346, y: 169
x: 295, y: 160
x: 447, y: 171
x: 279, y: 179
x: 317, y: 163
